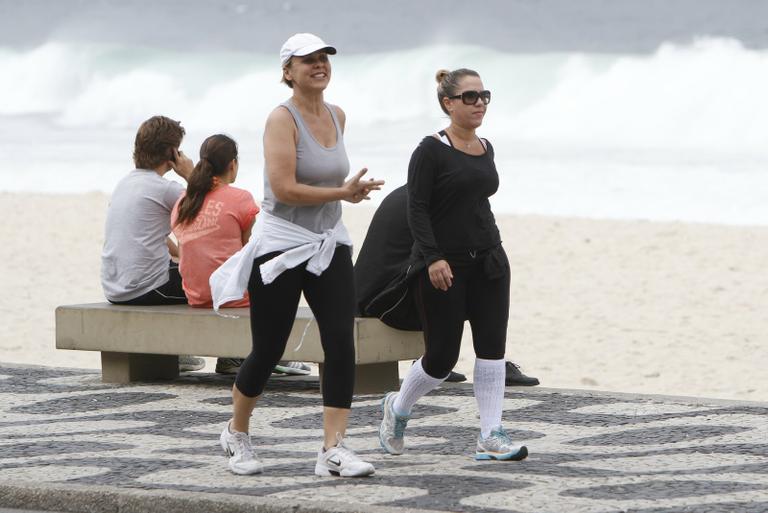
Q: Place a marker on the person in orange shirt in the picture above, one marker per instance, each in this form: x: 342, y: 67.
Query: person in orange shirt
x: 211, y: 222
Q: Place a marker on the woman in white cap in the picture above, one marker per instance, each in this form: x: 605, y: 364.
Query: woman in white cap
x: 299, y: 245
x: 464, y: 270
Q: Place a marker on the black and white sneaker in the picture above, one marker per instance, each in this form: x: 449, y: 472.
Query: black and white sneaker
x: 339, y: 460
x: 228, y: 366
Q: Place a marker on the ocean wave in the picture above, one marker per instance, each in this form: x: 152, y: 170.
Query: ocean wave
x: 707, y: 93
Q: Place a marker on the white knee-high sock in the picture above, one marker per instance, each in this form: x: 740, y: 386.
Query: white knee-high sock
x: 416, y: 384
x: 489, y: 392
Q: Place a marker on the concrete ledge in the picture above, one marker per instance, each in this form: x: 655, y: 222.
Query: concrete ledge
x: 141, y: 343
x: 179, y: 329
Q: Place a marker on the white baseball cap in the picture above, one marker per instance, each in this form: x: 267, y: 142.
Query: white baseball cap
x: 303, y: 44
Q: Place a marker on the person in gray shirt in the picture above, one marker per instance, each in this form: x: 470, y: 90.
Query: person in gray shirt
x: 136, y: 265
x: 136, y: 261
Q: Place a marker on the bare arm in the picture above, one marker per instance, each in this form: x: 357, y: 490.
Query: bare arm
x: 280, y: 165
x: 246, y: 235
x: 173, y: 249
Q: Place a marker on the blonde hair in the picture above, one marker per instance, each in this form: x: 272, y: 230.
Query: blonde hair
x: 448, y: 83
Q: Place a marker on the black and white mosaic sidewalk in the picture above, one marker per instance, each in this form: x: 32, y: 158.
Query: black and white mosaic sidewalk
x: 62, y: 429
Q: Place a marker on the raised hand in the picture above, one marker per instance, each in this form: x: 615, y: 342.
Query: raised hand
x: 358, y: 189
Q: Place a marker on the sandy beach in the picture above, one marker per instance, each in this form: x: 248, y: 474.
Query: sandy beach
x: 629, y: 306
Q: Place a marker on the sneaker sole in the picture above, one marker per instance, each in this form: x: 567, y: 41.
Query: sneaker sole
x: 521, y: 383
x: 509, y: 456
x: 245, y: 473
x: 323, y: 471
x: 279, y: 369
x: 190, y: 368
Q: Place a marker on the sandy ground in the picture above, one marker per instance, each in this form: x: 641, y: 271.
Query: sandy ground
x: 628, y: 306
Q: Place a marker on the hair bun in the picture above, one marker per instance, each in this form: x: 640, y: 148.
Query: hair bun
x: 441, y: 74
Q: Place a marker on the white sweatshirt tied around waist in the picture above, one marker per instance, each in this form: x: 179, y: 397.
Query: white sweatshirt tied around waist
x: 270, y: 233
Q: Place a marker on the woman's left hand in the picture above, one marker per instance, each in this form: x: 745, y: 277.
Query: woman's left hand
x: 358, y: 189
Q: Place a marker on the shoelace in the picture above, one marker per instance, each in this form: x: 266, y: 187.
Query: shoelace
x: 241, y: 439
x: 400, y: 423
x: 345, y: 454
x: 502, y: 436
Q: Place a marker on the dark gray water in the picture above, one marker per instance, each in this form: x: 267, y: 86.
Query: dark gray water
x: 526, y: 26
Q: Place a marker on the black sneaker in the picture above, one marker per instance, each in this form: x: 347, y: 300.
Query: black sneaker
x: 455, y: 377
x: 228, y: 365
x: 515, y: 378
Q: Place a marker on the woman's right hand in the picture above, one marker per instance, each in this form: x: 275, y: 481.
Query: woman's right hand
x: 356, y: 190
x: 440, y: 275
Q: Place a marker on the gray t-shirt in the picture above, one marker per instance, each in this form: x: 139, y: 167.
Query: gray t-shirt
x: 135, y: 256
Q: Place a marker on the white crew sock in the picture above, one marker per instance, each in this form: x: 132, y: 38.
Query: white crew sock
x: 489, y: 392
x: 416, y: 384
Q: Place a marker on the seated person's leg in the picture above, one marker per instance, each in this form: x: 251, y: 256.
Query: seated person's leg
x: 169, y: 293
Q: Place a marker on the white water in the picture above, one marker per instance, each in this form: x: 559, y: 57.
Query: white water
x: 677, y: 134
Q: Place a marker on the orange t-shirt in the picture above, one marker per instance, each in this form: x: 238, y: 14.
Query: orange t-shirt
x: 214, y: 235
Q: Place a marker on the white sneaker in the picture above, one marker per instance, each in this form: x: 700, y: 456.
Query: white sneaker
x: 242, y: 458
x: 498, y: 446
x: 292, y: 368
x: 339, y: 460
x: 190, y: 363
x: 392, y: 426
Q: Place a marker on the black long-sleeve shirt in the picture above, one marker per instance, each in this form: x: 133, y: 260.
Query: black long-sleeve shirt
x: 448, y: 209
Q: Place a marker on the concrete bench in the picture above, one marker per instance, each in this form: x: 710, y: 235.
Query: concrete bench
x: 142, y: 343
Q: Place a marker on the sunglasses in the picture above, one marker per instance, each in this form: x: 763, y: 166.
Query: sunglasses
x: 470, y: 97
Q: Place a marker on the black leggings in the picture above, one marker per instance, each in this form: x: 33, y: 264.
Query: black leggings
x: 474, y: 297
x: 331, y: 297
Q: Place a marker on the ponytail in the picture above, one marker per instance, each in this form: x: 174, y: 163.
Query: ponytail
x: 199, y: 185
x: 216, y: 153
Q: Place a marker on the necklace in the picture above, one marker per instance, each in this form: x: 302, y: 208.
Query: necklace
x: 467, y: 145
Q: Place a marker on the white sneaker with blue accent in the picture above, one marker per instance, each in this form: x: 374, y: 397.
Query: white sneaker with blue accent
x: 498, y: 446
x: 242, y: 457
x: 342, y: 461
x: 392, y: 428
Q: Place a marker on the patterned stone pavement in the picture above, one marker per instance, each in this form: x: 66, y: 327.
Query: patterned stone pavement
x: 63, y: 430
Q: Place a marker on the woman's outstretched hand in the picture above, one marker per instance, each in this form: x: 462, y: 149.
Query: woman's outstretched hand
x: 358, y: 189
x: 440, y: 275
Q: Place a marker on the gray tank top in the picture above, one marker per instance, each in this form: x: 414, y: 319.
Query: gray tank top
x: 315, y: 165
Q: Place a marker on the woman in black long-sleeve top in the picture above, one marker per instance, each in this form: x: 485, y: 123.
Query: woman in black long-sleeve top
x: 466, y: 276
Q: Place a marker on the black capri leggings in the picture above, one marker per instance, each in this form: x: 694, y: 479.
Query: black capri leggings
x: 331, y: 297
x: 474, y: 297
